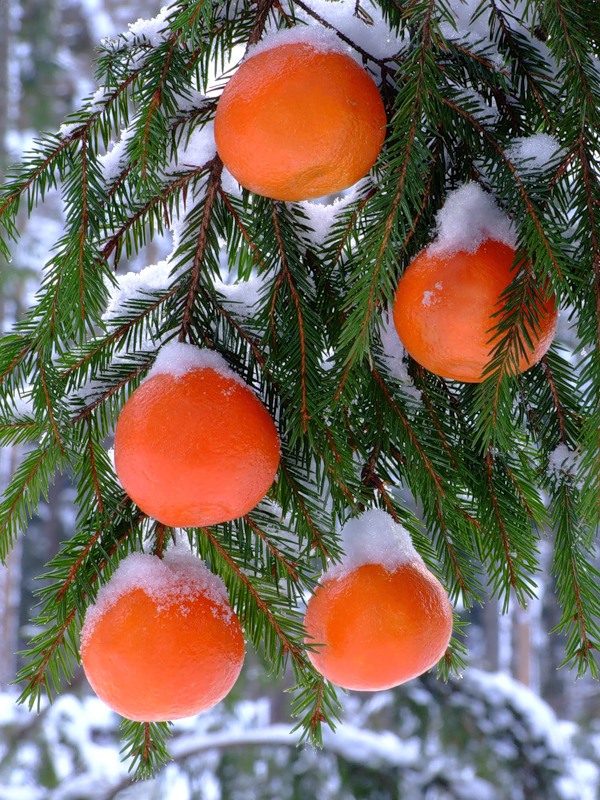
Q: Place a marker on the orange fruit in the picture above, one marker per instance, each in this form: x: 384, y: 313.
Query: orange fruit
x: 195, y: 449
x: 162, y: 641
x: 445, y: 308
x: 374, y: 628
x: 298, y: 121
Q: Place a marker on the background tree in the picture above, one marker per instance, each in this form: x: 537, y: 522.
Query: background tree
x: 489, y: 467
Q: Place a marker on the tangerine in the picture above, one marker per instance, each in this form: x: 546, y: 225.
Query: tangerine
x: 446, y: 307
x: 197, y: 448
x: 298, y: 121
x: 374, y: 628
x: 161, y: 642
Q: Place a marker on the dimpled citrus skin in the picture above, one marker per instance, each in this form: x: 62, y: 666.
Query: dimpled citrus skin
x: 295, y: 122
x: 152, y: 662
x: 378, y: 628
x: 444, y: 311
x: 195, y: 450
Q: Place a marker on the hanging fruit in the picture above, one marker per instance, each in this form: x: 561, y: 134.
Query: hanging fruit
x: 194, y: 446
x: 379, y: 617
x: 299, y: 120
x: 447, y: 306
x: 162, y: 642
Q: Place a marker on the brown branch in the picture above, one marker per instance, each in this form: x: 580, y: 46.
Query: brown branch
x: 159, y: 545
x: 353, y: 44
x: 147, y: 743
x: 591, y: 100
x: 579, y: 604
x: 23, y: 352
x: 239, y: 222
x: 263, y: 7
x: 485, y: 134
x: 39, y: 674
x: 24, y: 489
x: 243, y: 334
x: 560, y: 412
x: 105, y: 395
x: 508, y: 33
x: 88, y: 548
x: 97, y: 490
x: 285, y: 272
x: 66, y: 141
x: 119, y: 332
x: 84, y: 223
x: 48, y: 402
x: 317, y: 536
x: 589, y: 177
x: 372, y: 480
x: 405, y: 424
x: 155, y: 104
x: 501, y: 526
x: 436, y: 422
x: 338, y: 253
x: 113, y: 241
x: 450, y: 549
x: 390, y: 220
x: 212, y: 189
x: 289, y: 567
x: 296, y: 652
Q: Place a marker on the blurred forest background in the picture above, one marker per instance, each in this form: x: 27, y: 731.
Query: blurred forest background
x: 514, y: 726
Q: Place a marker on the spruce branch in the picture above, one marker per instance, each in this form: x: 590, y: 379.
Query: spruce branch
x: 145, y: 746
x: 526, y: 199
x: 212, y: 190
x: 381, y: 62
x: 285, y: 275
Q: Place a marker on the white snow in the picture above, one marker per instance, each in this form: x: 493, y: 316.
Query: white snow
x: 318, y: 37
x: 321, y: 216
x: 501, y: 690
x: 229, y: 184
x: 562, y: 460
x: 465, y: 27
x: 115, y: 159
x: 136, y: 286
x: 178, y: 358
x: 394, y: 355
x: 372, y: 35
x: 469, y: 217
x: 151, y: 30
x: 534, y: 152
x: 241, y: 297
x: 196, y: 149
x: 373, y: 538
x: 178, y: 576
x: 22, y: 403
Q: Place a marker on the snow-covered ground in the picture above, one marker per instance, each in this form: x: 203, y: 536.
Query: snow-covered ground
x: 486, y: 737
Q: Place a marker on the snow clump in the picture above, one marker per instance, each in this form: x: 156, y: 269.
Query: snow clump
x: 155, y: 278
x: 373, y: 538
x: 469, y: 217
x: 178, y: 576
x: 535, y: 152
x: 178, y: 358
x: 318, y: 37
x: 394, y: 355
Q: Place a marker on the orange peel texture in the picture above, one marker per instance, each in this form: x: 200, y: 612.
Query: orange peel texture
x: 195, y: 450
x: 445, y: 311
x: 296, y: 122
x: 374, y: 629
x: 156, y: 658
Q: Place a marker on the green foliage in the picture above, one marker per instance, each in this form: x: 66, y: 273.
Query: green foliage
x: 478, y: 461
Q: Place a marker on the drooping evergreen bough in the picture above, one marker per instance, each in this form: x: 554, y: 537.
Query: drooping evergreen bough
x: 500, y: 97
